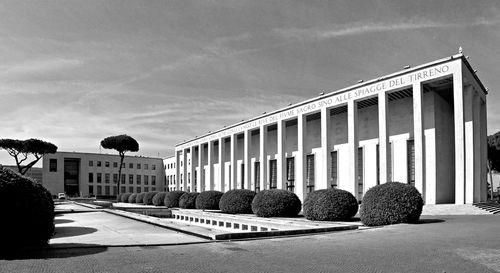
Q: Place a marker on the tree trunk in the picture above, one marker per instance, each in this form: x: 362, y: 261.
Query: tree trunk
x: 122, y: 157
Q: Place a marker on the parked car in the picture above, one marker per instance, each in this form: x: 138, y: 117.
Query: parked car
x: 61, y: 195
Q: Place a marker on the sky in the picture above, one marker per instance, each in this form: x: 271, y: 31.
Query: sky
x: 74, y: 72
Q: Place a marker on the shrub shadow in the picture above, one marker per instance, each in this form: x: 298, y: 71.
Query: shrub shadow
x: 54, y: 251
x: 429, y: 221
x: 62, y: 221
x: 61, y: 232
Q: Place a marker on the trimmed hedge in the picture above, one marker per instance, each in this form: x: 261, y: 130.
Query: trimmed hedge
x: 330, y: 205
x: 27, y: 211
x: 125, y: 197
x: 148, y: 198
x: 276, y: 203
x: 208, y: 200
x: 140, y: 198
x: 391, y: 203
x: 131, y: 198
x: 119, y: 197
x: 171, y: 199
x: 159, y: 198
x: 188, y: 200
x: 237, y: 201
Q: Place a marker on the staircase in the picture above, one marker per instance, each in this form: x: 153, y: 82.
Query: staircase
x: 491, y: 207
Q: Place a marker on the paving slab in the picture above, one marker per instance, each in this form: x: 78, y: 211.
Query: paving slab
x: 104, y: 229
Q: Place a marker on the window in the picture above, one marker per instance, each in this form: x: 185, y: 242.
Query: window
x: 310, y: 173
x: 115, y: 164
x: 115, y: 178
x: 257, y: 176
x: 53, y: 165
x: 153, y: 167
x: 146, y: 166
x: 138, y: 179
x: 153, y: 179
x: 290, y: 173
x: 130, y: 178
x: 131, y: 165
x: 360, y: 173
x: 98, y: 163
x: 131, y: 189
x: 99, y: 178
x: 91, y: 178
x: 91, y: 190
x: 91, y: 163
x: 123, y: 189
x: 146, y: 189
x: 334, y: 176
x: 138, y: 166
x: 106, y: 178
x: 99, y: 190
x: 106, y: 190
x: 411, y: 162
x: 106, y: 164
x: 138, y: 190
x: 123, y: 178
x: 146, y: 180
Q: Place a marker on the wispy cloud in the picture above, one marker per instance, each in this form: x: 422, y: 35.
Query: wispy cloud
x: 357, y: 28
x: 41, y: 66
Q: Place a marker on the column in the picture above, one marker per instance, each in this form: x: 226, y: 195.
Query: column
x: 458, y: 100
x: 469, y: 144
x: 184, y: 169
x: 383, y: 132
x: 484, y: 148
x: 281, y: 160
x: 352, y: 132
x: 246, y: 159
x: 209, y: 179
x: 233, y: 183
x: 193, y: 168
x: 177, y: 169
x: 201, y: 163
x: 300, y: 168
x: 325, y: 159
x: 222, y: 151
x: 263, y: 158
x: 477, y: 147
x: 418, y: 136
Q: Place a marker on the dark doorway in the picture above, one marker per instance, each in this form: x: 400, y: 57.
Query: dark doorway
x: 71, y: 176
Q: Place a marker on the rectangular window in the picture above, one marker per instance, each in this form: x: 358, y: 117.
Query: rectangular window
x: 99, y: 190
x: 146, y: 180
x: 91, y: 178
x: 99, y: 178
x: 273, y: 174
x: 146, y: 166
x: 256, y: 168
x: 91, y: 190
x: 115, y: 178
x: 123, y: 178
x: 138, y: 166
x: 115, y: 164
x: 290, y: 173
x: 242, y: 176
x: 138, y: 190
x: 153, y: 180
x: 138, y: 179
x: 334, y: 175
x: 106, y: 190
x: 131, y: 165
x: 310, y: 173
x: 91, y: 163
x: 106, y: 178
x: 130, y: 178
x: 360, y: 173
x: 106, y: 164
x: 153, y: 167
x: 131, y: 189
x: 98, y: 163
x: 146, y: 189
x: 53, y: 165
x: 123, y: 189
x: 411, y: 162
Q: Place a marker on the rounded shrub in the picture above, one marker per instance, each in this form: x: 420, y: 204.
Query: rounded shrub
x: 276, y: 203
x: 131, y: 198
x: 172, y: 198
x: 119, y: 197
x: 188, y: 200
x: 237, y: 201
x: 208, y: 200
x: 330, y: 205
x: 159, y: 198
x: 391, y: 203
x: 125, y: 197
x: 140, y: 197
x: 27, y: 211
x: 148, y: 198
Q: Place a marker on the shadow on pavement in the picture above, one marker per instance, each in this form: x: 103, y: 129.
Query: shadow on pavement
x: 62, y: 221
x: 72, y: 231
x: 54, y: 251
x: 429, y: 221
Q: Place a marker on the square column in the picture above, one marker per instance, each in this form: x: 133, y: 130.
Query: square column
x: 352, y: 132
x: 280, y: 161
x: 484, y: 149
x: 477, y: 146
x: 383, y: 133
x: 177, y: 169
x: 222, y: 152
x: 325, y: 158
x: 184, y: 169
x: 458, y: 100
x: 300, y: 168
x: 233, y: 182
x: 470, y: 155
x: 418, y: 135
x: 209, y: 179
x: 201, y: 164
x: 263, y: 158
x: 246, y: 159
x: 192, y: 169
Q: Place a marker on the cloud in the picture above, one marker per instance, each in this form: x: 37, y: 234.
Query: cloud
x: 41, y: 66
x: 357, y: 28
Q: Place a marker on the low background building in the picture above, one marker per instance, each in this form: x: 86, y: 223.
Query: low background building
x: 33, y: 172
x: 89, y: 174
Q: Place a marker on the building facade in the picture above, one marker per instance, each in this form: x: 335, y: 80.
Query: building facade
x: 170, y: 173
x: 424, y: 126
x: 88, y: 174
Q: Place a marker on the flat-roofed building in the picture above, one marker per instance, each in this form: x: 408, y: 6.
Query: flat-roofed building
x: 89, y: 174
x: 424, y: 126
